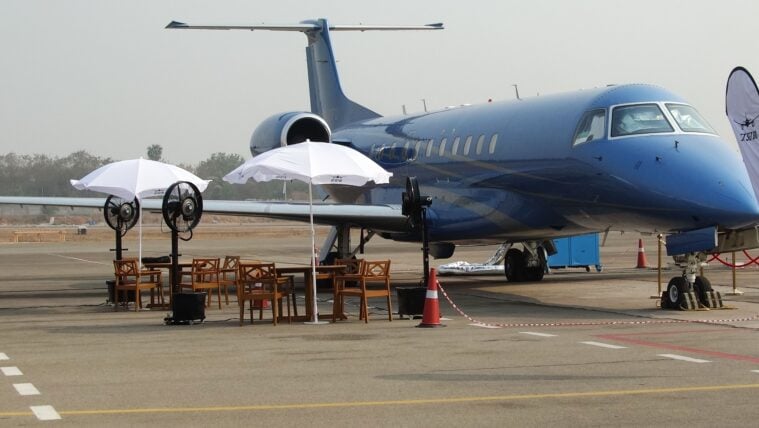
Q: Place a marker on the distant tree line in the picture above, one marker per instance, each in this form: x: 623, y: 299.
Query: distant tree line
x: 42, y: 175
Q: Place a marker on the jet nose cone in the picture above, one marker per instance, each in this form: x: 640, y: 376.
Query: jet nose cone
x: 735, y: 205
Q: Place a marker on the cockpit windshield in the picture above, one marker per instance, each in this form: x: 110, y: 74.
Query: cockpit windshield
x: 688, y: 119
x: 591, y: 127
x: 639, y: 119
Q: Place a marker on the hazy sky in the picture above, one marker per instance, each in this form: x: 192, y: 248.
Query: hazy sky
x: 106, y: 77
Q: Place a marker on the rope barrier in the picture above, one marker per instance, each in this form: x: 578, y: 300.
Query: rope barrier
x: 586, y: 323
x: 716, y: 256
x: 751, y: 260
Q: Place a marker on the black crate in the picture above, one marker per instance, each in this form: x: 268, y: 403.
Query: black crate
x: 411, y: 300
x: 188, y: 308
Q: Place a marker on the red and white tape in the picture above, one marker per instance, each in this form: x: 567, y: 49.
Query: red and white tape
x: 587, y: 323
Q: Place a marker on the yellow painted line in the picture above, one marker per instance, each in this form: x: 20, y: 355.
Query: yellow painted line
x: 8, y: 414
x: 423, y: 401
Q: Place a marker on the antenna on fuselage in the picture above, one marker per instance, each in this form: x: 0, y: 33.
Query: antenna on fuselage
x: 516, y: 89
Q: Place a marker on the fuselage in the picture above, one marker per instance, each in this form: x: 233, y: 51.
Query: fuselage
x: 561, y: 165
x: 628, y: 157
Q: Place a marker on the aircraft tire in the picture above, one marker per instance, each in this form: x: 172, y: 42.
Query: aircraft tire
x: 534, y: 274
x: 675, y: 294
x: 513, y: 265
x: 702, y: 287
x: 329, y: 259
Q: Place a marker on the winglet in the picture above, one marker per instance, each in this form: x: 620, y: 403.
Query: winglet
x: 176, y: 24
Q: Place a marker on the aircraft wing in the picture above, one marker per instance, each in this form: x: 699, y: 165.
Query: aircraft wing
x: 53, y: 201
x: 376, y: 217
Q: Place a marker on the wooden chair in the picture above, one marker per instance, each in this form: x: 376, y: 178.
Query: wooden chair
x: 228, y: 273
x: 130, y: 278
x: 372, y: 271
x: 204, y: 276
x: 351, y: 274
x: 257, y: 282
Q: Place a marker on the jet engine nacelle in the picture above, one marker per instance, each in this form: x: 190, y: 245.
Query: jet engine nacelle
x: 289, y: 128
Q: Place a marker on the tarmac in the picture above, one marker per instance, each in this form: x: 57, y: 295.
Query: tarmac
x: 576, y: 349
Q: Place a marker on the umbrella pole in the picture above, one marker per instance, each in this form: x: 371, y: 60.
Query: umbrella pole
x: 315, y: 310
x: 139, y: 260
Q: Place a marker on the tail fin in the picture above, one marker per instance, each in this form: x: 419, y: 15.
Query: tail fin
x: 742, y: 108
x: 327, y: 97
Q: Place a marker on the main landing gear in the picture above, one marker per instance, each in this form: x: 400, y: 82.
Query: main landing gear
x: 690, y: 291
x: 526, y: 265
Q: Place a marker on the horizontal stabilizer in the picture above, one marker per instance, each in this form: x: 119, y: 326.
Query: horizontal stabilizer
x: 327, y: 98
x: 305, y: 26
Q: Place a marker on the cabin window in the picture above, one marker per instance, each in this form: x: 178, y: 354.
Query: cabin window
x: 493, y: 141
x: 688, y: 119
x: 639, y: 119
x: 418, y: 149
x: 443, y: 142
x: 591, y: 127
x: 430, y: 145
x: 480, y: 142
x: 467, y: 145
x: 455, y: 146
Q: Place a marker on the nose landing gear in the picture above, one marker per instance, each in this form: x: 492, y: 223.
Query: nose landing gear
x: 690, y: 291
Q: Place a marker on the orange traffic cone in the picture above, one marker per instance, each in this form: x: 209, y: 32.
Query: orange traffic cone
x: 641, y: 255
x: 431, y: 315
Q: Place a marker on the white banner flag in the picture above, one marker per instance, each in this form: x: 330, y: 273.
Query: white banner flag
x: 742, y: 108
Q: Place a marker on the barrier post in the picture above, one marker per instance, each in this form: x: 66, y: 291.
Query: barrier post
x: 658, y: 267
x: 735, y: 291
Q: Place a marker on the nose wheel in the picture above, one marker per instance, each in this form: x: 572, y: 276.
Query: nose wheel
x: 690, y: 290
x: 675, y: 297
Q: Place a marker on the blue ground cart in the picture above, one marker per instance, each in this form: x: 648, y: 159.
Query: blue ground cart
x: 576, y: 251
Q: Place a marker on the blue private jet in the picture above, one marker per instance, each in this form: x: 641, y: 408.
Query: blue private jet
x: 632, y: 157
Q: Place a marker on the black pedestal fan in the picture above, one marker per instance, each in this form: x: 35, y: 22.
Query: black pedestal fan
x: 120, y: 216
x: 414, y: 206
x: 182, y: 208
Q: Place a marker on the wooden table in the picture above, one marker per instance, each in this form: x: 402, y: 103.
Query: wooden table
x: 306, y: 271
x: 167, y: 266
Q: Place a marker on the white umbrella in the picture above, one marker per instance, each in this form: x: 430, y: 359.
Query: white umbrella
x: 140, y: 178
x: 313, y: 163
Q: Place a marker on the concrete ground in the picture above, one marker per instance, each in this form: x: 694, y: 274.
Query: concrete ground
x: 577, y: 349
